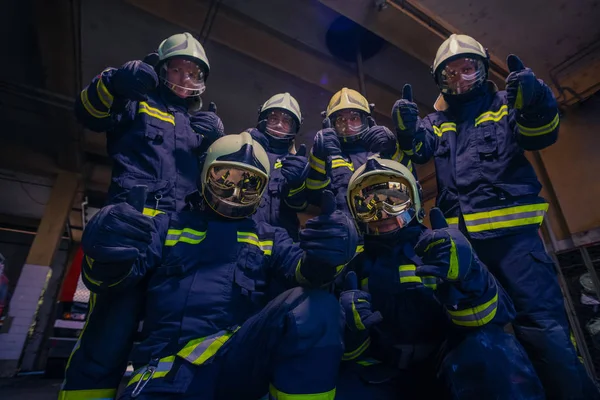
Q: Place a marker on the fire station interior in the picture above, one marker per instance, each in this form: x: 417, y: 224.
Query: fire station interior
x: 54, y: 174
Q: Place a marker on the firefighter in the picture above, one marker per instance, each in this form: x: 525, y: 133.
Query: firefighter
x: 488, y: 189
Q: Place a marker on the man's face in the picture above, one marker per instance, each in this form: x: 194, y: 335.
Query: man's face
x: 280, y: 124
x: 348, y: 122
x: 184, y: 76
x: 461, y: 74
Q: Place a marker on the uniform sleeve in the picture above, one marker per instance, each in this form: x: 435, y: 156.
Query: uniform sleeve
x: 537, y: 127
x: 318, y: 179
x: 296, y: 199
x: 102, y: 277
x: 491, y: 305
x: 96, y: 107
x: 403, y: 158
x: 286, y: 257
x: 421, y: 147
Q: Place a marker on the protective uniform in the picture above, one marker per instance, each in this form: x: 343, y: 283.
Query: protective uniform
x: 488, y: 189
x: 209, y: 331
x: 349, y: 137
x: 426, y: 320
x: 278, y: 123
x: 153, y: 137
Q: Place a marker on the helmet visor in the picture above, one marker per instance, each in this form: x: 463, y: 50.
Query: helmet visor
x: 349, y: 125
x: 382, y: 197
x: 461, y: 75
x: 184, y: 77
x: 280, y: 124
x: 233, y: 186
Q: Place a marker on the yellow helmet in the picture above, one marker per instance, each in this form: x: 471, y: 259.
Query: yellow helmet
x: 347, y: 99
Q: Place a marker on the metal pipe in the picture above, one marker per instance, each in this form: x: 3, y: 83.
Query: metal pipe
x: 359, y: 69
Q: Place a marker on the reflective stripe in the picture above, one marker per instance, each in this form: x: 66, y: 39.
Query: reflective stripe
x: 103, y: 94
x: 359, y: 249
x: 162, y: 369
x: 277, y: 165
x: 409, y: 166
x: 364, y: 284
x: 313, y: 184
x: 151, y: 212
x: 277, y: 395
x: 430, y: 282
x: 417, y: 148
x: 198, y: 351
x: 316, y: 163
x: 355, y: 315
x: 398, y: 155
x: 297, y: 190
x: 445, y: 127
x: 89, y: 394
x: 494, y: 116
x: 90, y: 280
x: 89, y: 260
x: 407, y: 274
x: 453, y: 269
x: 93, y: 111
x: 476, y: 316
x: 248, y: 237
x: 368, y: 361
x: 530, y: 214
x: 351, y: 355
x: 340, y: 163
x: 452, y: 222
x: 155, y: 112
x: 186, y: 235
x: 542, y: 130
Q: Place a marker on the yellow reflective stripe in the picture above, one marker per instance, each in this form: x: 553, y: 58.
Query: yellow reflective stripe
x: 475, y: 316
x: 452, y: 221
x: 90, y: 108
x: 162, y: 369
x: 88, y: 394
x: 542, y: 130
x: 494, y: 116
x: 92, y: 281
x: 368, y: 361
x: 198, y: 351
x: 433, y: 244
x: 364, y: 283
x: 277, y: 165
x: 122, y: 279
x: 89, y: 260
x: 340, y: 163
x: 297, y: 190
x: 103, y: 94
x: 418, y: 146
x: 398, y: 155
x: 278, y: 395
x: 249, y: 237
x: 359, y: 249
x: 186, y: 235
x: 409, y: 166
x: 401, y: 125
x: 151, y: 212
x: 445, y: 127
x: 316, y: 163
x: 155, y: 112
x: 356, y: 315
x: 351, y: 355
x: 430, y: 282
x: 407, y: 274
x: 509, y: 217
x: 313, y: 184
x: 298, y: 274
x: 453, y: 268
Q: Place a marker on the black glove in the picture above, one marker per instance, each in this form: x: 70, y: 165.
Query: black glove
x: 379, y: 139
x: 207, y: 124
x: 523, y: 89
x: 133, y: 81
x: 405, y: 113
x: 326, y: 144
x: 294, y: 168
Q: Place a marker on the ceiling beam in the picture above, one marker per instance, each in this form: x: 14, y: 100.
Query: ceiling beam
x: 255, y: 41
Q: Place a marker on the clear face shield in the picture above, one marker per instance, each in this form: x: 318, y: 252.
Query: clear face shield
x: 234, y: 191
x: 460, y: 76
x: 349, y: 125
x: 184, y: 77
x: 382, y: 204
x: 280, y: 125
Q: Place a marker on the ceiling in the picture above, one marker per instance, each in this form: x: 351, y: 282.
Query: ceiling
x: 256, y: 49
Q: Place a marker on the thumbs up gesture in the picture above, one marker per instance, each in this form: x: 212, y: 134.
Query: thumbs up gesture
x: 446, y: 253
x: 294, y: 168
x: 523, y: 89
x: 357, y: 306
x: 329, y: 242
x: 405, y: 112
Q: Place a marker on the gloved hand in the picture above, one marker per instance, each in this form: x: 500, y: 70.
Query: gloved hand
x: 116, y: 236
x: 208, y: 124
x: 294, y: 168
x: 133, y: 81
x: 379, y: 139
x: 260, y: 137
x: 405, y: 113
x: 356, y: 305
x: 523, y: 89
x: 329, y: 242
x: 447, y: 254
x: 326, y: 144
